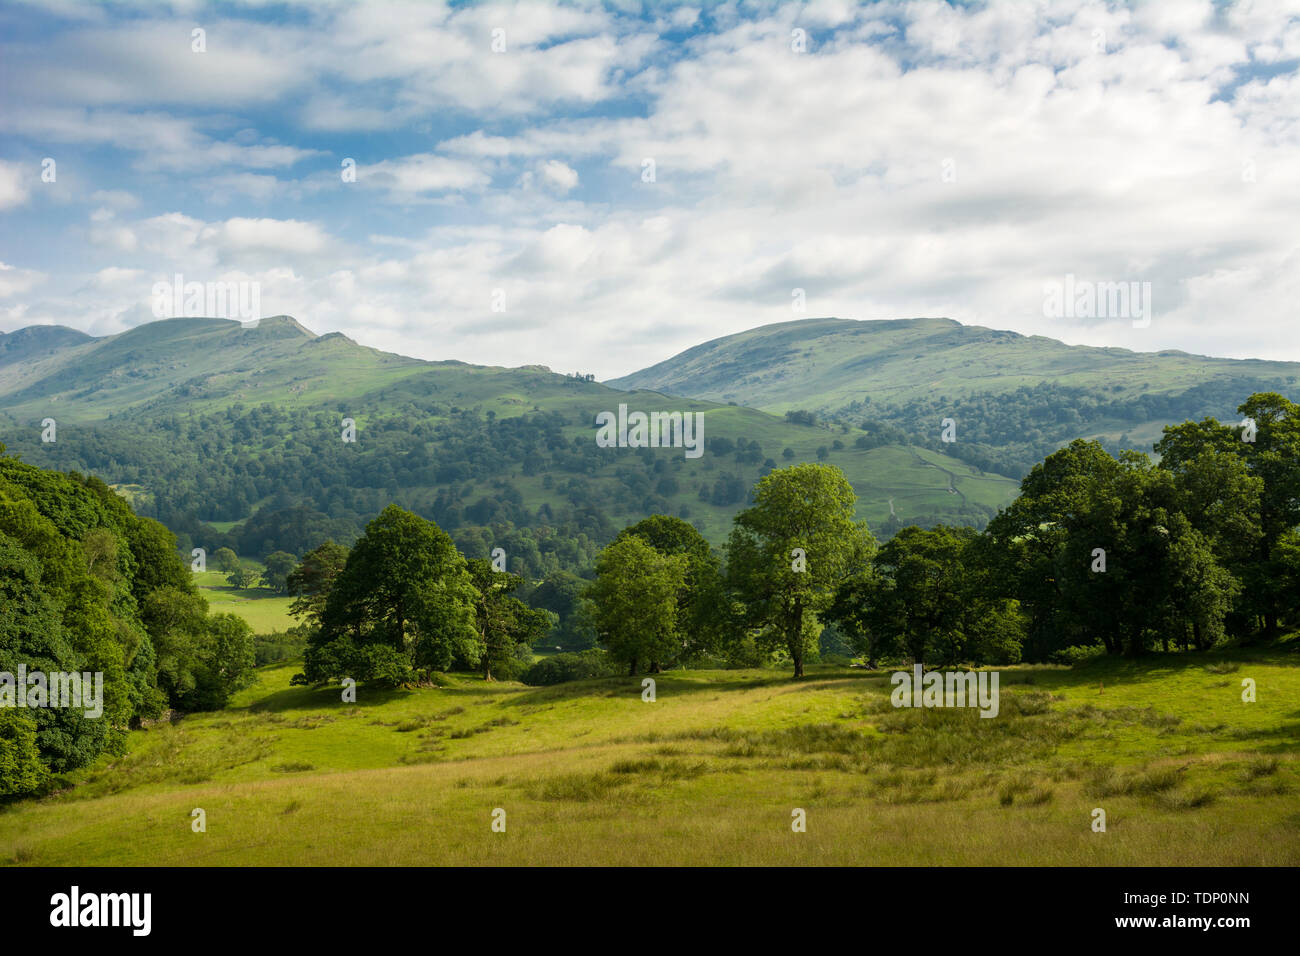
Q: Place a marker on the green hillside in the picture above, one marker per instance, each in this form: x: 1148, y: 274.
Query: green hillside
x: 832, y: 363
x: 1014, y: 398
x: 200, y: 363
x: 31, y: 344
x: 205, y: 425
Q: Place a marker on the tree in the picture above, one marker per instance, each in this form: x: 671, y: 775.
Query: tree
x: 176, y: 622
x: 561, y: 593
x: 790, y: 552
x: 632, y: 603
x: 701, y: 601
x: 504, y: 622
x: 1246, y: 519
x: 21, y: 768
x: 279, y: 565
x: 1098, y: 551
x: 930, y: 600
x: 310, y: 582
x: 225, y: 662
x: 404, y: 587
x: 241, y: 577
x: 225, y: 560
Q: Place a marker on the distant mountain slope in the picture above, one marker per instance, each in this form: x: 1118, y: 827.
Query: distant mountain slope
x: 828, y: 364
x: 233, y: 435
x: 38, y: 341
x: 1013, y: 398
x: 201, y: 362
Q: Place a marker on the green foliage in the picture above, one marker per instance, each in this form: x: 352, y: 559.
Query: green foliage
x: 88, y: 587
x: 310, y: 582
x: 560, y: 593
x: 930, y: 599
x: 225, y: 662
x: 503, y: 621
x: 404, y: 587
x: 701, y: 600
x: 279, y: 646
x: 561, y: 668
x: 22, y: 770
x: 789, y: 554
x: 225, y: 560
x: 278, y: 566
x: 633, y: 603
x: 241, y: 577
x: 1160, y: 579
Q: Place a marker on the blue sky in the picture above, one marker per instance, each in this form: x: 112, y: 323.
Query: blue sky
x: 904, y: 159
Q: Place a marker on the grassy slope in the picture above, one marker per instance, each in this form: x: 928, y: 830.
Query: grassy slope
x: 213, y: 363
x: 828, y: 363
x: 264, y: 610
x: 709, y: 773
x: 216, y: 364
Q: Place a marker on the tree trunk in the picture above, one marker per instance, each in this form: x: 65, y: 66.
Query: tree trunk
x: 631, y: 671
x: 795, y: 638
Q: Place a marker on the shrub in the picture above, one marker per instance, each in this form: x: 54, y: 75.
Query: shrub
x: 278, y: 646
x: 1077, y: 654
x: 561, y: 668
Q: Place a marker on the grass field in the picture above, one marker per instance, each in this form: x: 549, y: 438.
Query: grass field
x: 710, y: 772
x: 263, y: 609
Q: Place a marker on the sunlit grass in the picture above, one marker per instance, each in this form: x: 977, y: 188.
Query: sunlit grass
x: 710, y: 772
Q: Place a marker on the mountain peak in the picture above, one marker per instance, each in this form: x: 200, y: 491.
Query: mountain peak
x: 286, y: 323
x: 36, y: 341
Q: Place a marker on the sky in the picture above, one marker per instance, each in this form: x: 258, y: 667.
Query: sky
x: 597, y: 187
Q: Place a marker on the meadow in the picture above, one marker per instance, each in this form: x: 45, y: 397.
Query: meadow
x: 263, y: 609
x: 708, y: 773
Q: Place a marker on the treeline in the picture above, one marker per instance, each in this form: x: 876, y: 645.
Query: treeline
x: 1124, y: 555
x: 288, y: 481
x: 87, y: 586
x: 1121, y: 555
x: 1009, y: 432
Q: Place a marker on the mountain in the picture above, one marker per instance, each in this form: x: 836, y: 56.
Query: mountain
x: 200, y: 363
x: 233, y: 436
x: 38, y: 341
x: 1014, y: 398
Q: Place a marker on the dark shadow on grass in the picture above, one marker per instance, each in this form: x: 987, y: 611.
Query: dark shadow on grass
x: 668, y: 683
x: 1151, y: 668
x: 327, y: 698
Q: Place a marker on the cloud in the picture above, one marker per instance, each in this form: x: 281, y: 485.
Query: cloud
x: 557, y: 176
x: 919, y: 159
x: 159, y: 140
x: 15, y: 281
x: 422, y: 175
x: 13, y: 185
x: 263, y: 236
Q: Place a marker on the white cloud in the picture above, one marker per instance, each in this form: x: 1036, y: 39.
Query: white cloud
x: 159, y: 140
x: 920, y: 159
x: 238, y: 236
x: 13, y: 186
x: 557, y: 176
x: 15, y: 281
x: 421, y: 175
